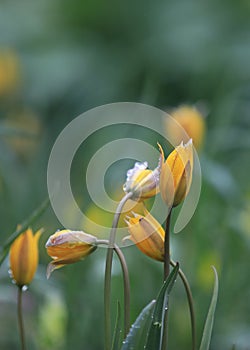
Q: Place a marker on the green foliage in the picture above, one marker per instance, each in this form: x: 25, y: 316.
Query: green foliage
x: 207, y: 332
x: 154, y: 338
x: 135, y: 339
x: 153, y: 314
x: 118, y: 329
x: 4, y: 249
x: 77, y: 55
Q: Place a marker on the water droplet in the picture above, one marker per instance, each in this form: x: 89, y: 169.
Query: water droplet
x: 10, y: 273
x: 24, y: 288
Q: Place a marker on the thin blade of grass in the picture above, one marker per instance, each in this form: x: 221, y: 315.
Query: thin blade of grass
x: 25, y: 224
x: 117, y: 329
x: 207, y: 332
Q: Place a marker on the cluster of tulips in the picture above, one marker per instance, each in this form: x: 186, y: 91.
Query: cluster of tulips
x: 172, y: 179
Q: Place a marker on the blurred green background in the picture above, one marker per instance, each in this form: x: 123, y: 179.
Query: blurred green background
x: 58, y: 59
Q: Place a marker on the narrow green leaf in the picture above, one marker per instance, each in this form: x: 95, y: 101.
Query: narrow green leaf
x: 136, y: 337
x: 34, y: 216
x: 117, y: 329
x: 154, y: 334
x: 207, y: 332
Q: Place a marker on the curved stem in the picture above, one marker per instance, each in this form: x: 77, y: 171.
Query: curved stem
x: 166, y: 273
x: 125, y: 283
x: 20, y: 317
x: 108, y: 270
x: 167, y: 246
x: 190, y: 304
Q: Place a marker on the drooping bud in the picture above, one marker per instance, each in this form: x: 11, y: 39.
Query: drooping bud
x: 147, y: 234
x: 67, y: 247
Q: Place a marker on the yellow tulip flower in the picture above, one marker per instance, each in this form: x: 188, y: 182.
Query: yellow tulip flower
x: 67, y: 247
x: 24, y: 257
x: 9, y: 71
x: 142, y: 182
x: 176, y: 174
x: 192, y: 121
x: 147, y: 234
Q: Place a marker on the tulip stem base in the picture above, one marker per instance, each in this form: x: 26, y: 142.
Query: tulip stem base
x: 167, y: 247
x: 190, y: 303
x: 126, y: 283
x: 166, y: 274
x: 108, y: 272
x: 20, y: 317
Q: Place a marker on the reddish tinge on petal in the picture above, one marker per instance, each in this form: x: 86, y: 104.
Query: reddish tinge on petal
x: 67, y: 247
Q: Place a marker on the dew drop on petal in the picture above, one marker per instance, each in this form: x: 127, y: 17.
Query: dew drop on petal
x: 10, y: 273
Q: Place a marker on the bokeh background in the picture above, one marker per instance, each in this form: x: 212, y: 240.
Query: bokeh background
x: 58, y: 59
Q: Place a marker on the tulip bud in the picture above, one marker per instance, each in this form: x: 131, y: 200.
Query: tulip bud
x: 24, y: 257
x: 176, y: 174
x: 67, y: 247
x: 147, y: 234
x: 142, y: 182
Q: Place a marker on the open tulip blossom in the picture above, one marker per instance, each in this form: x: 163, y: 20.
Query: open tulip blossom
x: 67, y: 247
x: 142, y: 182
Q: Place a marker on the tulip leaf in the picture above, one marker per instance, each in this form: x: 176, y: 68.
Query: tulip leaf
x: 154, y: 334
x: 33, y: 217
x: 135, y: 339
x: 207, y: 332
x: 118, y: 329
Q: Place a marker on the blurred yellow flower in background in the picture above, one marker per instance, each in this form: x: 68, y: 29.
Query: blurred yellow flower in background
x: 148, y: 235
x: 9, y: 71
x: 67, y: 247
x: 23, y: 132
x: 176, y: 174
x: 191, y: 120
x: 24, y: 257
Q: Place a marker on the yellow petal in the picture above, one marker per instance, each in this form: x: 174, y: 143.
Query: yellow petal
x: 176, y: 174
x: 148, y: 235
x: 142, y: 182
x: 67, y: 247
x: 24, y: 257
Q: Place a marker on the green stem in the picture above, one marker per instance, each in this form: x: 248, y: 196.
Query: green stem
x: 125, y: 283
x: 167, y: 247
x: 108, y: 270
x: 166, y: 274
x: 33, y: 217
x: 190, y: 303
x: 20, y: 317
